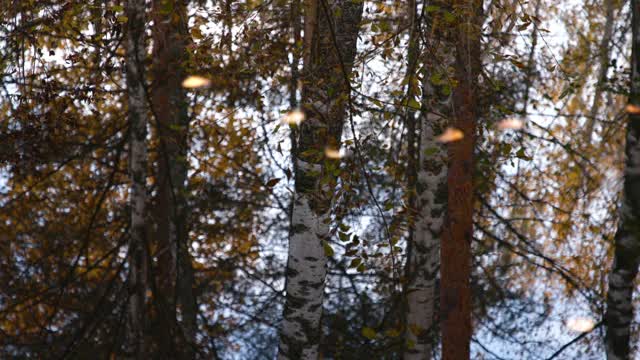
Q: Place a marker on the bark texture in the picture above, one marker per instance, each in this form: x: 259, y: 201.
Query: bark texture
x: 330, y: 47
x: 455, y: 255
x: 431, y: 192
x: 176, y: 301
x: 619, y: 313
x: 137, y: 112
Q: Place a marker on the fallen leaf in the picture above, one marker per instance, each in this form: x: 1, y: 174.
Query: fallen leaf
x: 293, y: 117
x: 632, y: 109
x: 271, y: 183
x: 195, y: 81
x: 450, y: 135
x: 580, y: 324
x: 332, y: 153
x: 510, y: 124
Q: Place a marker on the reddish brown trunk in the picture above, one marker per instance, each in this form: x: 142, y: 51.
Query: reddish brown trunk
x: 174, y: 273
x: 455, y: 253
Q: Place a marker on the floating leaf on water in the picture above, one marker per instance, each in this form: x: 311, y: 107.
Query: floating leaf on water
x: 195, y: 81
x: 332, y: 153
x: 632, y: 109
x: 580, y: 324
x: 510, y: 124
x: 293, y: 117
x: 450, y: 135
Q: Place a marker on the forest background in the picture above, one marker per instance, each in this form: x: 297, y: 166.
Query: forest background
x: 152, y: 153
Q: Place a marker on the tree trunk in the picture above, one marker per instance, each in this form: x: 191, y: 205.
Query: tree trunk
x: 455, y: 255
x: 175, y: 273
x: 431, y: 193
x: 627, y: 240
x: 330, y: 47
x: 604, y: 55
x: 137, y: 113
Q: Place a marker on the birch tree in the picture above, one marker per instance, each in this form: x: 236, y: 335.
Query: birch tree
x: 331, y: 32
x: 619, y: 314
x: 135, y: 45
x: 431, y: 191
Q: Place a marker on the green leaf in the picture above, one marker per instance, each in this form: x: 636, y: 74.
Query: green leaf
x: 411, y: 344
x: 414, y: 104
x: 522, y: 155
x: 449, y: 17
x: 431, y: 151
x: 392, y: 333
x: 369, y: 333
x: 436, y: 78
x: 328, y: 250
x: 506, y: 149
x: 432, y: 8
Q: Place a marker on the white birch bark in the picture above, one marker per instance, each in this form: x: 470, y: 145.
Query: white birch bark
x: 431, y: 192
x: 306, y: 272
x: 135, y: 45
x: 619, y: 313
x: 330, y: 46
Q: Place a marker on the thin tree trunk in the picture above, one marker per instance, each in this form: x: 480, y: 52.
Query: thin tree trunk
x: 175, y: 273
x: 528, y: 80
x: 627, y: 240
x: 330, y: 47
x: 296, y: 25
x: 455, y: 255
x: 412, y: 166
x: 604, y: 55
x: 137, y: 168
x: 431, y: 191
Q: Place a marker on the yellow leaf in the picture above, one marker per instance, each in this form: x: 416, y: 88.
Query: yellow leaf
x: 195, y: 81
